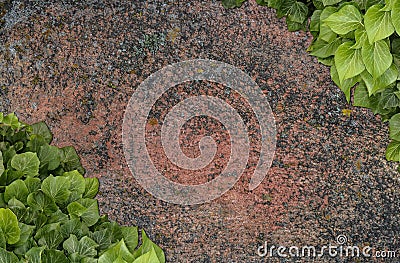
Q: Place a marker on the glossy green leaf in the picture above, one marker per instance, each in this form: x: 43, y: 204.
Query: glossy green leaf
x: 361, y: 38
x: 393, y: 151
x: 323, y: 49
x: 56, y: 188
x: 347, y: 19
x: 49, y: 156
x: 330, y: 2
x: 375, y: 85
x: 395, y: 15
x: 325, y: 32
x: 346, y: 84
x: 9, y: 226
x: 361, y: 96
x: 33, y: 184
x: 84, y: 247
x: 74, y: 227
x: 77, y: 185
x: 378, y: 23
x: 146, y: 246
x: 18, y: 190
x: 87, y: 209
x: 53, y: 256
x: 296, y: 11
x: 150, y: 256
x: 91, y: 187
x: 71, y: 160
x: 35, y: 142
x: 394, y: 127
x: 116, y: 251
x: 34, y: 255
x: 130, y: 234
x: 348, y: 61
x: 43, y: 130
x: 27, y: 163
x: 7, y: 257
x: 38, y: 201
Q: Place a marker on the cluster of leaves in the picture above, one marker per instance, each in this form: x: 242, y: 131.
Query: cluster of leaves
x: 47, y: 208
x: 359, y: 40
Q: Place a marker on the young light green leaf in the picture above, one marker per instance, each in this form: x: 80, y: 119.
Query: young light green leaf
x: 395, y: 15
x: 361, y: 38
x: 118, y: 250
x: 150, y: 256
x: 375, y: 85
x: 7, y: 257
x: 35, y: 142
x: 130, y: 234
x: 347, y: 19
x: 325, y: 32
x: 27, y: 163
x: 9, y: 226
x: 323, y: 49
x: 346, y: 84
x: 38, y: 201
x: 43, y: 130
x: 56, y: 188
x: 91, y: 187
x: 50, y: 156
x: 394, y: 127
x: 393, y: 151
x: 348, y: 61
x: 146, y: 246
x: 12, y: 121
x: 18, y: 190
x: 377, y: 23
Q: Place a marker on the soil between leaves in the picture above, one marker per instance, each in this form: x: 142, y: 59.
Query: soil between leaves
x: 76, y: 64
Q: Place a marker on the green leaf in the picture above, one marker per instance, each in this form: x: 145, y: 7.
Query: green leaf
x: 35, y: 142
x: 7, y: 257
x: 346, y: 84
x: 347, y: 19
x: 102, y: 238
x: 91, y: 187
x: 395, y: 15
x: 148, y: 257
x: 393, y: 151
x: 12, y: 121
x: 38, y: 201
x: 9, y: 226
x: 377, y: 23
x: 74, y: 227
x: 33, y: 184
x: 1, y: 164
x: 315, y: 21
x: 389, y: 99
x: 50, y: 156
x: 375, y: 85
x: 323, y: 49
x: 116, y: 251
x: 26, y: 232
x: 56, y: 188
x: 43, y: 130
x: 295, y: 11
x: 394, y: 127
x: 77, y: 185
x: 84, y: 247
x: 18, y: 190
x: 361, y: 38
x: 34, y: 255
x: 87, y: 209
x: 53, y: 256
x: 51, y: 239
x: 232, y: 3
x: 130, y: 234
x: 27, y: 163
x: 325, y: 32
x: 146, y: 246
x: 262, y: 2
x: 361, y: 96
x: 71, y: 160
x: 348, y: 61
x: 330, y: 2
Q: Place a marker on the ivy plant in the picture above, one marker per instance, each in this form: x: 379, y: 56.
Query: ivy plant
x: 48, y: 210
x: 360, y: 41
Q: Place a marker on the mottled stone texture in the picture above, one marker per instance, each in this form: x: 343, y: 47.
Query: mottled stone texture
x: 75, y: 64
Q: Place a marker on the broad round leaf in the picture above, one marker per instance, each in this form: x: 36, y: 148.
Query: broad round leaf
x: 393, y: 151
x: 56, y: 188
x: 9, y: 226
x: 38, y: 201
x: 27, y: 163
x: 377, y: 57
x: 395, y: 14
x: 18, y: 190
x: 7, y: 257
